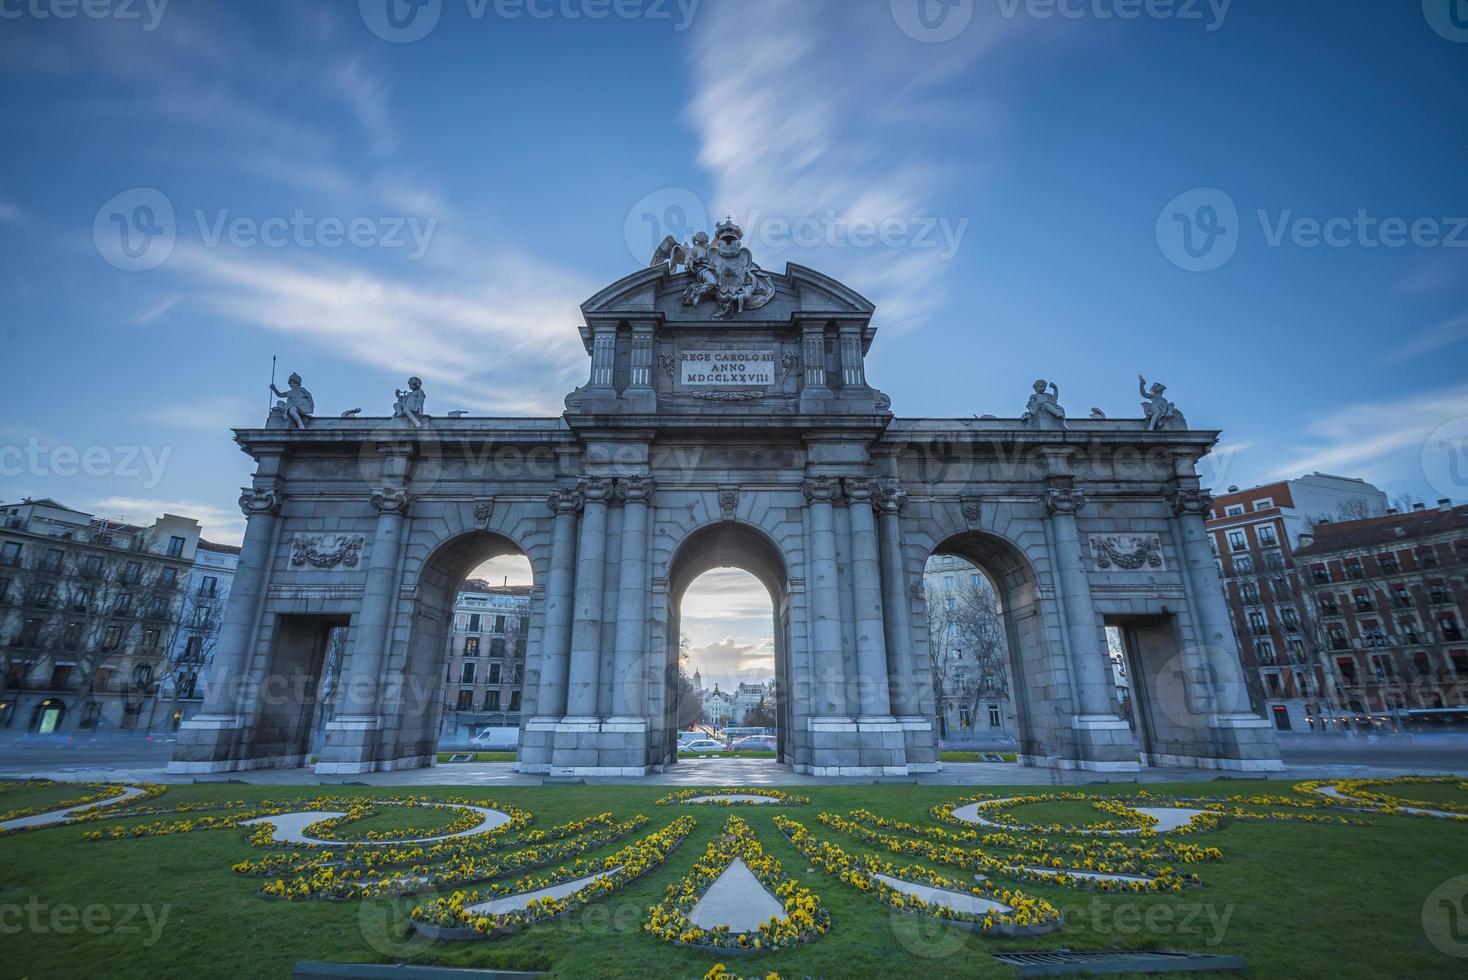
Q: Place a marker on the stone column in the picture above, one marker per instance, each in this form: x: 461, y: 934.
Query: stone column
x: 363, y: 685
x: 223, y: 695
x: 869, y: 627
x: 1088, y: 661
x: 629, y: 696
x: 827, y: 677
x: 906, y: 693
x: 555, y: 643
x: 1223, y: 691
x: 591, y: 556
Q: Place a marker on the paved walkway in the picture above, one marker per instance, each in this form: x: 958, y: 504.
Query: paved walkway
x: 705, y: 772
x: 736, y: 899
x: 290, y: 828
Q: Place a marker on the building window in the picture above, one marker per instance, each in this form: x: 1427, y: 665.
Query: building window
x: 193, y: 650
x: 1249, y: 592
x: 1328, y: 605
x: 1290, y: 618
x: 1237, y: 541
x: 497, y: 646
x: 4, y: 590
x: 29, y: 635
x: 1267, y: 537
x: 10, y: 554
x: 499, y: 624
x: 1388, y: 563
x: 1381, y: 666
x: 1321, y: 574
x: 150, y: 640
x: 1362, y: 601
x: 1264, y: 651
x: 168, y: 578
x: 1258, y: 625
x: 1354, y: 569
x: 92, y: 566
x: 1426, y: 556
x: 1234, y: 510
x: 473, y: 622
x: 52, y: 561
x: 1243, y: 564
x: 492, y: 699
x: 1338, y: 640
x: 471, y: 646
x: 112, y: 639
x: 514, y: 700
x: 132, y: 572
x: 142, y: 675
x: 1402, y: 596
x: 1264, y: 503
x: 466, y: 700
x: 175, y: 546
x: 494, y: 672
x: 466, y: 672
x: 993, y: 716
x: 71, y: 636
x: 208, y: 587
x: 60, y: 677
x: 1347, y: 668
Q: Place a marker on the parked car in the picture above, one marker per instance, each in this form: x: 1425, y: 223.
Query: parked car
x: 702, y: 745
x: 755, y: 743
x: 495, y: 740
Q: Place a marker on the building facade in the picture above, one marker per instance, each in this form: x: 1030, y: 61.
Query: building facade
x: 727, y: 421
x: 1386, y: 600
x: 1254, y: 534
x: 89, y: 612
x: 486, y: 668
x: 968, y: 651
x: 181, y: 690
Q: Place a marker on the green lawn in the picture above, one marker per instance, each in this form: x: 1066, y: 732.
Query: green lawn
x: 962, y: 755
x: 25, y: 795
x: 443, y: 757
x: 1426, y: 792
x: 1067, y: 813
x: 1298, y: 900
x: 387, y: 819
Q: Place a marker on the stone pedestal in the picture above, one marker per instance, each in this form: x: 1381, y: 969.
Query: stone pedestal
x: 599, y: 747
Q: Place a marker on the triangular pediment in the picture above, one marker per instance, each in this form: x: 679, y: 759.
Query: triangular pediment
x: 655, y: 293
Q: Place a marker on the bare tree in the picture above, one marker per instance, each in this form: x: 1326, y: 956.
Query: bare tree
x: 967, y: 645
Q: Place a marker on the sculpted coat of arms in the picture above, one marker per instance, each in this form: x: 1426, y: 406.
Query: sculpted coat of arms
x: 723, y: 270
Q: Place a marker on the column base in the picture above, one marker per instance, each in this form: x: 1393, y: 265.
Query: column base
x: 1103, y: 743
x: 581, y: 746
x: 217, y: 743
x: 920, y: 743
x: 856, y: 747
x: 350, y: 747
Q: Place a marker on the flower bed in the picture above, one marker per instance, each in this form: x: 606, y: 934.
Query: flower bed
x: 88, y: 806
x: 449, y: 917
x: 1054, y: 872
x: 993, y: 809
x: 779, y: 796
x: 1028, y: 916
x: 331, y: 829
x: 1356, y: 792
x: 805, y: 919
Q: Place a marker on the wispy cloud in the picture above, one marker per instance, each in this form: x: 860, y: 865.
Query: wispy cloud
x: 212, y: 415
x: 1439, y: 335
x: 219, y: 524
x: 1381, y: 440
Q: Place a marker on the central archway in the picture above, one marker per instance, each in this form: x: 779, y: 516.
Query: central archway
x: 731, y: 544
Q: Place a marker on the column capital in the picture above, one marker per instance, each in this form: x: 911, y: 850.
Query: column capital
x: 890, y: 498
x: 391, y: 500
x: 1064, y: 500
x: 595, y: 489
x: 860, y: 491
x: 635, y: 489
x: 821, y: 489
x: 1191, y: 500
x: 565, y: 500
x: 260, y: 500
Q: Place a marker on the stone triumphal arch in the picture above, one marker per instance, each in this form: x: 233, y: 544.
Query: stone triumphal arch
x: 726, y: 421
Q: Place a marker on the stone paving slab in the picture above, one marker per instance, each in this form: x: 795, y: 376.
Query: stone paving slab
x: 736, y: 899
x: 958, y: 901
x: 61, y: 816
x: 290, y: 828
x: 733, y: 798
x: 1169, y: 818
x: 514, y: 903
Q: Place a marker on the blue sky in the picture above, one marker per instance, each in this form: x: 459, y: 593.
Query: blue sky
x: 1034, y: 174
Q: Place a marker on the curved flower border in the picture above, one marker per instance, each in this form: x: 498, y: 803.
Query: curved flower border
x: 95, y: 804
x: 805, y: 919
x: 449, y: 917
x: 769, y: 792
x: 1028, y: 916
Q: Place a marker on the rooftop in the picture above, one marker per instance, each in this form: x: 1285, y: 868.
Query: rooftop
x: 1389, y: 528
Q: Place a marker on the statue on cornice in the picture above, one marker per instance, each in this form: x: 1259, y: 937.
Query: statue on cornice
x: 1160, y: 412
x: 409, y: 404
x: 724, y: 270
x: 1043, y: 410
x: 296, y: 404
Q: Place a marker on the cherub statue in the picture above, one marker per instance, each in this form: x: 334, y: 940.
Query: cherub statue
x: 671, y: 253
x: 410, y: 403
x: 705, y: 281
x: 1158, y: 410
x: 1044, y: 409
x: 296, y: 403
